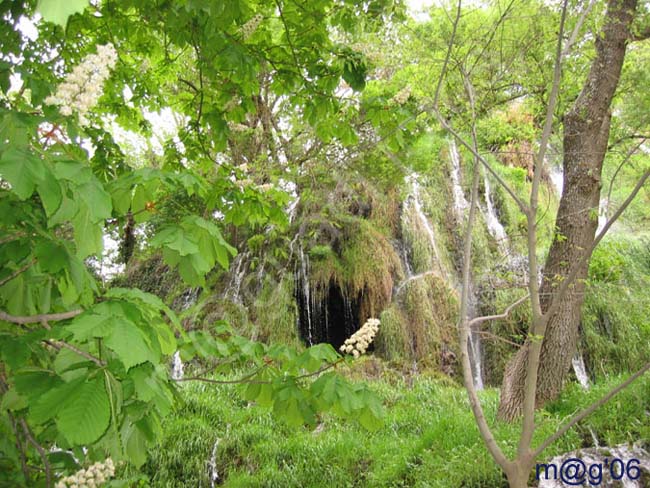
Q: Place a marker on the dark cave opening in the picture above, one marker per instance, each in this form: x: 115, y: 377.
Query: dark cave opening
x: 326, y: 315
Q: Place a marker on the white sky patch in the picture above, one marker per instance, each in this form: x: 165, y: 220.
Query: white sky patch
x: 419, y: 9
x: 27, y: 27
x: 164, y: 126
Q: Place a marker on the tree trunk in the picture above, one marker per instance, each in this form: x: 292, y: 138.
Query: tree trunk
x: 586, y: 134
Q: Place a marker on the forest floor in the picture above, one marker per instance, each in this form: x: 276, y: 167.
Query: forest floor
x: 429, y: 438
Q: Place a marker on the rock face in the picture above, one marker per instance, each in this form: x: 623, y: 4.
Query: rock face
x: 620, y: 466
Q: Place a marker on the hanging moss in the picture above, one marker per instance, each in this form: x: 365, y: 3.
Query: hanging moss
x: 275, y: 312
x: 393, y: 341
x: 370, y: 265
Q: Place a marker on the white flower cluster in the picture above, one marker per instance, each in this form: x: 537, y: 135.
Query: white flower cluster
x: 358, y: 343
x: 402, y: 96
x: 237, y: 127
x: 251, y: 26
x: 265, y: 187
x: 92, y: 477
x: 83, y: 87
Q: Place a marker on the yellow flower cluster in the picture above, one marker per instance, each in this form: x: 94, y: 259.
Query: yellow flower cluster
x: 358, y: 343
x: 251, y: 26
x: 91, y: 477
x: 402, y: 96
x: 83, y: 87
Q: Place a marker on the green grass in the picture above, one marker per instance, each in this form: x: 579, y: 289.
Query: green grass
x: 429, y: 438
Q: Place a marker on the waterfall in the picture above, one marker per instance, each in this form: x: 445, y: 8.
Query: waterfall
x: 557, y: 178
x: 415, y: 201
x: 603, y: 209
x: 188, y: 298
x: 233, y: 290
x: 460, y: 202
x: 495, y: 228
x: 213, y: 472
x: 177, y: 366
x: 580, y: 371
x: 292, y: 208
x: 306, y: 291
x: 411, y: 277
x: 460, y: 206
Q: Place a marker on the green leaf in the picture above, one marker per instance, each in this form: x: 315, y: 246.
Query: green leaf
x: 94, y: 324
x: 175, y: 238
x: 14, y: 351
x: 97, y: 200
x: 130, y: 344
x: 58, y: 12
x: 34, y: 384
x: 369, y: 420
x: 136, y: 446
x: 22, y: 170
x: 48, y: 405
x: 87, y: 233
x: 66, y: 360
x: 13, y: 401
x: 86, y: 414
x: 51, y: 256
x: 49, y: 189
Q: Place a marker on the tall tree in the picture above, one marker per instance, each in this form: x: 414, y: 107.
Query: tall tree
x: 586, y: 135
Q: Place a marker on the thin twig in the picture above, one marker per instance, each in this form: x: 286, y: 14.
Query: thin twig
x: 33, y: 319
x: 568, y: 281
x: 14, y: 426
x: 490, y: 335
x: 12, y: 237
x: 62, y: 344
x: 41, y: 452
x: 243, y: 379
x: 22, y: 269
x: 627, y: 157
x: 506, y: 312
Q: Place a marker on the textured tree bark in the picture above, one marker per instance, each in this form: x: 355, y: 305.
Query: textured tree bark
x: 586, y: 134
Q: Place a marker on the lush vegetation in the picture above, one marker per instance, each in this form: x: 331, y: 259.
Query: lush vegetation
x: 237, y: 187
x: 428, y: 438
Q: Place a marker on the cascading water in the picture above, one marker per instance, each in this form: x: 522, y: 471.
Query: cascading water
x: 188, y: 298
x: 233, y: 291
x: 460, y: 202
x: 580, y: 371
x: 557, y: 178
x: 303, y: 279
x: 325, y: 312
x: 177, y: 366
x: 603, y: 210
x: 414, y: 201
x: 460, y: 206
x: 495, y: 228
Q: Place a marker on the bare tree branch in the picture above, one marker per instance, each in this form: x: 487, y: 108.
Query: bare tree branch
x: 568, y: 281
x: 538, y: 324
x: 464, y: 329
x: 627, y: 157
x: 33, y: 319
x: 22, y: 269
x: 41, y: 452
x: 65, y: 345
x: 576, y: 29
x: 506, y: 312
